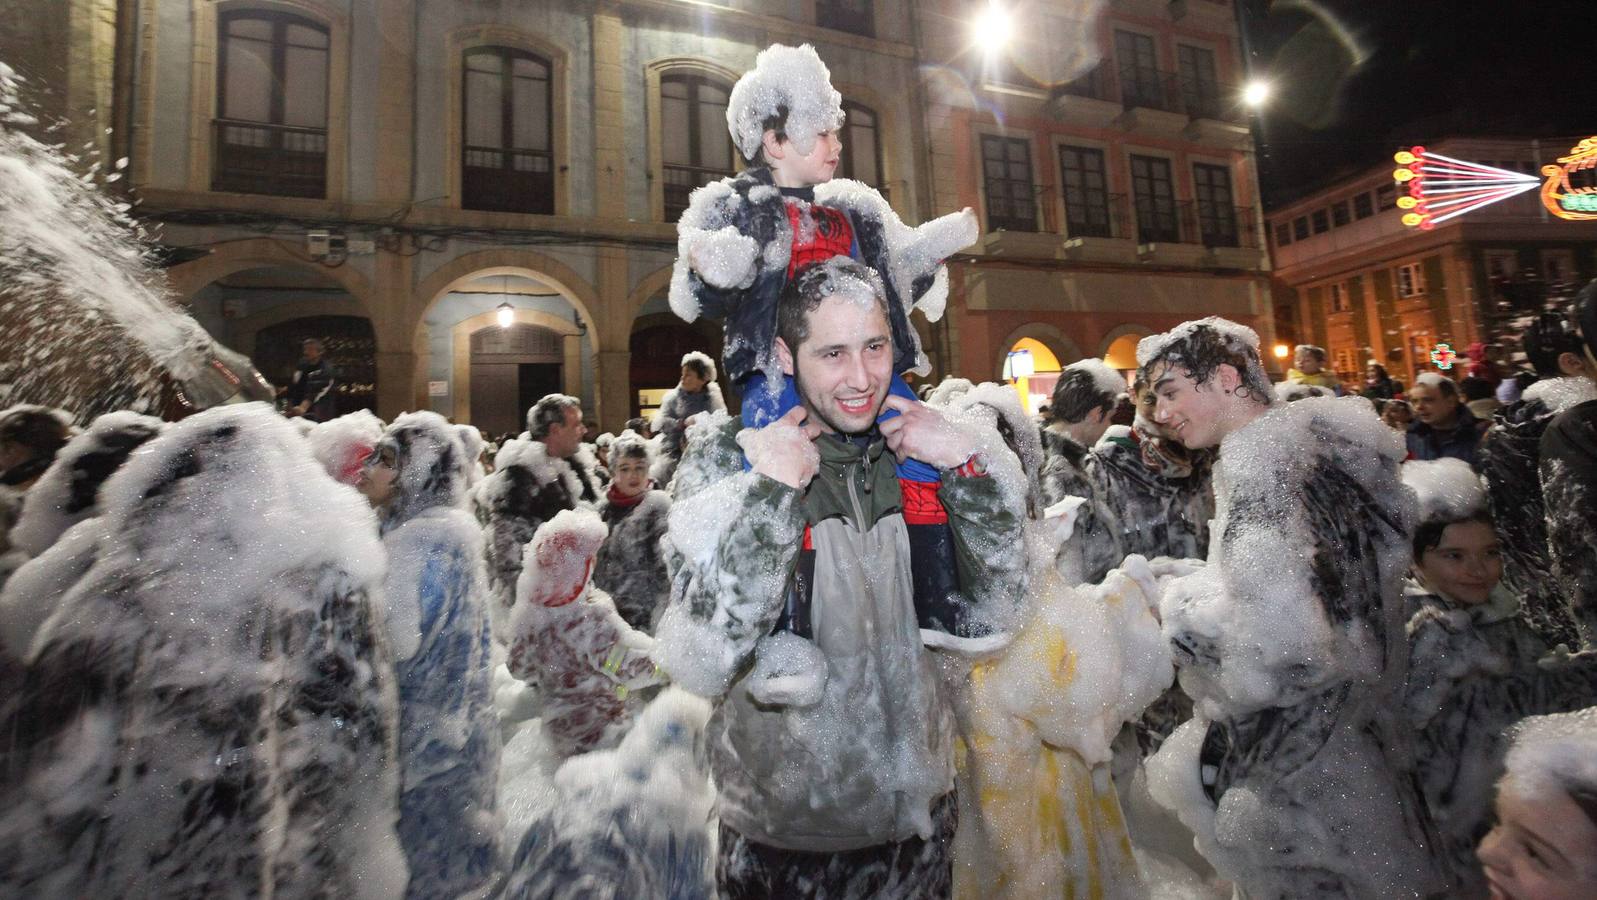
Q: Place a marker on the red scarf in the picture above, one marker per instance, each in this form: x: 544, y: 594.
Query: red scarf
x: 617, y: 498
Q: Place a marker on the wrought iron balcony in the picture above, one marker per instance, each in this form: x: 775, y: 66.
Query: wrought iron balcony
x: 262, y: 158
x: 502, y: 180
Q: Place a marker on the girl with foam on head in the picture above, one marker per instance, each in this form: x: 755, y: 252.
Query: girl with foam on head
x: 1544, y: 845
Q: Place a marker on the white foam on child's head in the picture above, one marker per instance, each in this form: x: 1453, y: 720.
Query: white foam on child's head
x: 793, y: 78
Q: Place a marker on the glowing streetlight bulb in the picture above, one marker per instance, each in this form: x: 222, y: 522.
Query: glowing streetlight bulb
x: 1256, y: 94
x: 1281, y: 351
x: 992, y: 28
x: 506, y: 315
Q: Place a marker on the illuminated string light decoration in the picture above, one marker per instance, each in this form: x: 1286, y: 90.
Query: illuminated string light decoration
x: 1441, y: 187
x: 1443, y: 356
x: 1562, y: 198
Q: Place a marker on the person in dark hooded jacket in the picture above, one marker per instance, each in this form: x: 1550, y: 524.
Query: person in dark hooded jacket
x: 696, y: 393
x: 438, y: 627
x: 1083, y: 401
x: 630, y: 566
x: 1569, y: 484
x: 1510, y: 458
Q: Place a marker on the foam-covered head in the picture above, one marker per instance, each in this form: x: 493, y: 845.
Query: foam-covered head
x: 1084, y: 387
x: 1554, y: 753
x: 1448, y: 490
x: 341, y: 445
x: 839, y: 276
x: 701, y: 365
x: 1200, y: 346
x: 68, y: 490
x: 559, y: 559
x: 789, y: 90
x: 430, y: 463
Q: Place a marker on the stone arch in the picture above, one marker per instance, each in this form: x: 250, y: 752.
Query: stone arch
x: 509, y: 261
x: 651, y: 284
x: 187, y: 279
x: 460, y: 337
x: 1120, y: 331
x: 1048, y: 335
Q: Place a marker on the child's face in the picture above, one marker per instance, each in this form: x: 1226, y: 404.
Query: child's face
x: 794, y: 169
x: 1543, y: 848
x: 631, y: 476
x: 691, y: 382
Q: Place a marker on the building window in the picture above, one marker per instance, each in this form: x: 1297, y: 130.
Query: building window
x: 1345, y: 363
x: 1141, y: 83
x: 1339, y: 214
x: 1340, y: 303
x: 1086, y: 190
x: 1006, y: 172
x: 507, y: 161
x: 1200, y: 89
x: 1283, y: 234
x: 862, y: 146
x: 270, y: 134
x: 1558, y: 267
x: 1363, y: 207
x: 1154, y: 191
x: 1410, y: 280
x: 852, y: 16
x: 696, y: 147
x: 1322, y: 222
x: 1300, y: 228
x: 1386, y: 197
x: 1217, y: 215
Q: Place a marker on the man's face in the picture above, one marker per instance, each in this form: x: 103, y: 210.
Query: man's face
x: 313, y: 352
x: 843, y: 368
x: 1194, y: 414
x: 1431, y: 406
x: 564, y: 437
x: 795, y: 169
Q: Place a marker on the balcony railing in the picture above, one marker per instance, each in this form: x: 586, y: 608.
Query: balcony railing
x: 1218, y: 226
x: 1091, y: 218
x: 1098, y: 84
x: 1150, y: 88
x: 1201, y: 98
x: 501, y: 180
x: 680, y: 181
x: 261, y: 158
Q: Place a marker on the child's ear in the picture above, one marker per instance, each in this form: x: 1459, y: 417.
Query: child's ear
x: 772, y: 145
x: 784, y: 356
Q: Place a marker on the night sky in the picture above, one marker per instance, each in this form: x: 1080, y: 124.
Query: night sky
x: 1356, y: 79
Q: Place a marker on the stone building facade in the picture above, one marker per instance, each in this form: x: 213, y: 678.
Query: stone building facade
x: 1352, y: 278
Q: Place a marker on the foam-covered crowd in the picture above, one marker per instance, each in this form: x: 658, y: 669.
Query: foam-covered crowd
x: 1184, y: 633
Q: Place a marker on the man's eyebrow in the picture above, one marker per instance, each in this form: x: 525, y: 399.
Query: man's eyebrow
x: 1163, y: 381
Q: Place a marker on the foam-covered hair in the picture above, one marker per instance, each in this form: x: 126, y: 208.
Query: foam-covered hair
x: 700, y: 359
x: 1554, y: 753
x: 630, y: 444
x: 1200, y: 346
x: 1448, y: 490
x: 788, y: 84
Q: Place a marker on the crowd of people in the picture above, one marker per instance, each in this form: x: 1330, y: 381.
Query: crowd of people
x: 1256, y: 639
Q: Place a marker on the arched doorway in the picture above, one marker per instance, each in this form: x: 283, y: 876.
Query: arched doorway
x: 658, y: 342
x: 348, y: 342
x: 1033, y: 368
x: 511, y: 367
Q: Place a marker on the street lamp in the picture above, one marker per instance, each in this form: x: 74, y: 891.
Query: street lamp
x: 992, y: 28
x: 1256, y: 93
x: 1282, y: 351
x: 506, y: 314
